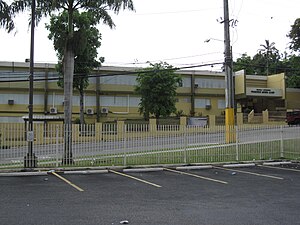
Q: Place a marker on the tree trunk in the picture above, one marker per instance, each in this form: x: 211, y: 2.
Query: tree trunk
x: 68, y: 94
x: 81, y: 104
x: 68, y: 69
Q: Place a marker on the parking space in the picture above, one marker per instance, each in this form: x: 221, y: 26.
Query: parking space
x: 253, y: 195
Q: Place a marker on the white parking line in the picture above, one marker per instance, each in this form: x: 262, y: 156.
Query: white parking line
x: 67, y: 181
x: 251, y: 173
x: 280, y: 168
x: 135, y: 178
x: 195, y: 175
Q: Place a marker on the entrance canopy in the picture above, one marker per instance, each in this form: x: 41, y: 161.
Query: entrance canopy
x: 43, y: 118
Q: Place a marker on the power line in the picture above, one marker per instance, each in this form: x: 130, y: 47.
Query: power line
x: 114, y: 74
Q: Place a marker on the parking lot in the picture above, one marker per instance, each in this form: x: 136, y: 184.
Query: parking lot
x: 249, y: 195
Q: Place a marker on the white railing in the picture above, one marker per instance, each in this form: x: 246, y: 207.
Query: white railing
x: 143, y: 144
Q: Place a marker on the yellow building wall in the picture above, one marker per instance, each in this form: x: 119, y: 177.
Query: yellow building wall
x: 256, y: 83
x: 121, y: 113
x: 277, y: 81
x: 240, y: 84
x: 292, y: 98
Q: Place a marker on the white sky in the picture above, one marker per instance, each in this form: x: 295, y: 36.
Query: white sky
x: 172, y: 31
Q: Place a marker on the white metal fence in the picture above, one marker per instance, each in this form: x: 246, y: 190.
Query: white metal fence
x: 143, y: 144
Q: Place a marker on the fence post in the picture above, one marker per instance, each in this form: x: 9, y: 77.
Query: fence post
x: 236, y: 143
x: 98, y: 131
x: 39, y: 134
x: 125, y: 144
x: 239, y: 118
x: 120, y: 129
x: 153, y: 126
x: 185, y: 145
x: 182, y: 128
x: 281, y: 142
x: 212, y: 120
x: 56, y: 145
x: 182, y: 122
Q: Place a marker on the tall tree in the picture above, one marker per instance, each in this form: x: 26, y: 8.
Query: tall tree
x: 100, y: 10
x: 87, y: 37
x: 269, y: 52
x: 294, y: 35
x: 157, y: 86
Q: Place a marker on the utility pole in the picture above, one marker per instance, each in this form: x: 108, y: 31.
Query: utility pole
x: 30, y: 160
x: 229, y: 90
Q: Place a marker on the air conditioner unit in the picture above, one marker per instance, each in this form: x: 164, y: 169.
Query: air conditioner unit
x: 208, y: 107
x: 11, y: 102
x: 53, y: 110
x: 104, y: 110
x: 89, y: 111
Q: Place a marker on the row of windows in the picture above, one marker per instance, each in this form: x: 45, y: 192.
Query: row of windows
x: 57, y: 100
x: 118, y: 101
x: 204, y: 83
x: 186, y: 81
x: 121, y: 79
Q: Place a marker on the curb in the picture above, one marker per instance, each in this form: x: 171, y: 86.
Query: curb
x: 143, y: 170
x: 22, y: 174
x: 84, y: 172
x: 239, y: 165
x: 276, y: 163
x: 193, y: 167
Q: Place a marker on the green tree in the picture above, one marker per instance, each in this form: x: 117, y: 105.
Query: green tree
x: 294, y: 35
x: 265, y: 62
x: 157, y: 86
x: 244, y: 63
x: 100, y: 10
x: 6, y: 19
x: 87, y: 37
x: 292, y: 71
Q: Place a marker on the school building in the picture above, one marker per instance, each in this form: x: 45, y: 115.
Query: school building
x: 110, y: 95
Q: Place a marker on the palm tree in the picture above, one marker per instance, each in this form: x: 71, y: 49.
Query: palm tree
x: 268, y: 50
x: 46, y: 8
x: 5, y: 17
x: 87, y: 38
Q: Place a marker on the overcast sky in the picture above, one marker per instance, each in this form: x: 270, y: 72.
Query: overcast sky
x: 171, y: 30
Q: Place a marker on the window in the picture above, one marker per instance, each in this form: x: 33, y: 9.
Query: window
x: 119, y: 80
x: 21, y: 99
x: 121, y: 101
x: 202, y: 103
x: 221, y: 104
x: 186, y: 82
x: 210, y: 83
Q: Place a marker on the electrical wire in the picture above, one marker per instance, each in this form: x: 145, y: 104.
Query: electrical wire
x: 114, y: 74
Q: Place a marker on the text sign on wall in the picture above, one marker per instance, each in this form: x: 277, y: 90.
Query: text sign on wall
x: 266, y: 92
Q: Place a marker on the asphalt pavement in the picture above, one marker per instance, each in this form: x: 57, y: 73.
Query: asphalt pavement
x: 257, y: 195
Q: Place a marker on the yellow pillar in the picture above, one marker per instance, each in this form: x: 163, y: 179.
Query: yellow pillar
x: 120, y: 129
x: 212, y: 120
x: 229, y: 125
x: 239, y: 118
x: 98, y: 131
x: 153, y: 127
x: 75, y: 132
x: 182, y: 123
x: 265, y: 115
x: 38, y: 133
